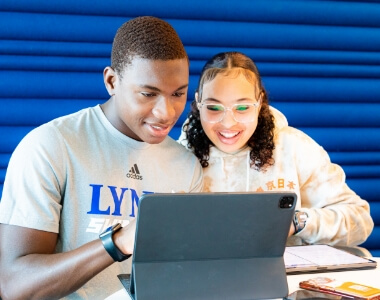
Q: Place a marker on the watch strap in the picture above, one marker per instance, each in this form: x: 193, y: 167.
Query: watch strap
x: 107, y: 239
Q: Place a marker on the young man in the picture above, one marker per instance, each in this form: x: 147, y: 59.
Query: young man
x: 72, y: 178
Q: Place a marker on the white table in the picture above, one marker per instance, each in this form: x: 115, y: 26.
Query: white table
x: 366, y: 277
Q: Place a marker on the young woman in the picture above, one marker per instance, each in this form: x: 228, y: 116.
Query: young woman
x: 245, y: 145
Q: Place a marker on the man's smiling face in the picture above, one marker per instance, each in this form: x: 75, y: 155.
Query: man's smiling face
x: 149, y: 97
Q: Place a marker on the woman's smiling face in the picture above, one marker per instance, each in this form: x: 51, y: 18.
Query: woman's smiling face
x: 230, y: 89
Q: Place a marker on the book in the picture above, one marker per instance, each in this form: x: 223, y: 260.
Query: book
x: 342, y: 288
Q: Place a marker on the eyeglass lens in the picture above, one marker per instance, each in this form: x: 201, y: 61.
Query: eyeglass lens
x: 215, y: 113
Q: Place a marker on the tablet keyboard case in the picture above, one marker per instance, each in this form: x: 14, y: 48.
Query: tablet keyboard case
x: 211, y: 246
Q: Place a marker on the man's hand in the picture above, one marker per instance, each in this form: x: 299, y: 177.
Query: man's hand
x: 124, y: 239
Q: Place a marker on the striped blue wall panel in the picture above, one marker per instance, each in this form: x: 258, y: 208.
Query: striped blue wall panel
x: 48, y: 48
x: 319, y: 60
x: 297, y: 12
x: 324, y: 114
x: 355, y: 158
x: 101, y: 29
x: 345, y: 139
x: 367, y: 188
x: 197, y: 53
x: 35, y: 115
x: 11, y: 136
x: 362, y: 171
x: 59, y: 85
x: 373, y: 241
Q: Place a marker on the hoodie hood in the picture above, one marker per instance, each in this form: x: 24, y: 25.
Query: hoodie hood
x: 280, y: 120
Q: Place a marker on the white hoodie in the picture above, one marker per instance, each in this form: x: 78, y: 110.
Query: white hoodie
x: 337, y: 216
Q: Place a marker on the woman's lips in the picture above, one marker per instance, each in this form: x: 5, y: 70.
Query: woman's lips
x: 229, y: 137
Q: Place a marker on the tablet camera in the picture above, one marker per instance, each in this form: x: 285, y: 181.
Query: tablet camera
x: 286, y: 202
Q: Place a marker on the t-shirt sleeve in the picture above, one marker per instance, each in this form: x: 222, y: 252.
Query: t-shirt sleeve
x: 34, y: 181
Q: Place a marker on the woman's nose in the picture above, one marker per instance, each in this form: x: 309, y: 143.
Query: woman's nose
x: 228, y: 118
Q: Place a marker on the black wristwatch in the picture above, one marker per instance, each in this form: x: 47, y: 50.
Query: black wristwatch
x: 299, y: 220
x: 109, y: 245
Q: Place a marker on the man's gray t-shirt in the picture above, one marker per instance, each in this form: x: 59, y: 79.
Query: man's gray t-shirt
x: 77, y: 175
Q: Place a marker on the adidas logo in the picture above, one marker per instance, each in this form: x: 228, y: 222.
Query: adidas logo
x: 134, y: 173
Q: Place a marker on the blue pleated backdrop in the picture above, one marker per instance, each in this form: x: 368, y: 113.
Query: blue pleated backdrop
x: 320, y: 62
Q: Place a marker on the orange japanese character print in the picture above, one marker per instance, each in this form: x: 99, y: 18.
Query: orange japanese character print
x: 281, y: 183
x: 291, y: 185
x: 270, y: 185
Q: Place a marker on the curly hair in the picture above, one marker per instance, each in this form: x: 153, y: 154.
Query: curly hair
x: 146, y: 37
x: 262, y: 140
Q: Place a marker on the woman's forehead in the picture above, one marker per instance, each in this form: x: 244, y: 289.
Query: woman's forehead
x: 229, y: 89
x: 211, y: 74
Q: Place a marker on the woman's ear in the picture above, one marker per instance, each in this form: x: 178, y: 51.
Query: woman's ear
x: 110, y: 78
x: 196, y: 96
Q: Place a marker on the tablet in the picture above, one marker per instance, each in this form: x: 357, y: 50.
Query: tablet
x: 323, y: 258
x: 211, y: 246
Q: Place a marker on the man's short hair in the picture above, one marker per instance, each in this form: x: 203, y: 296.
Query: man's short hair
x: 146, y: 37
